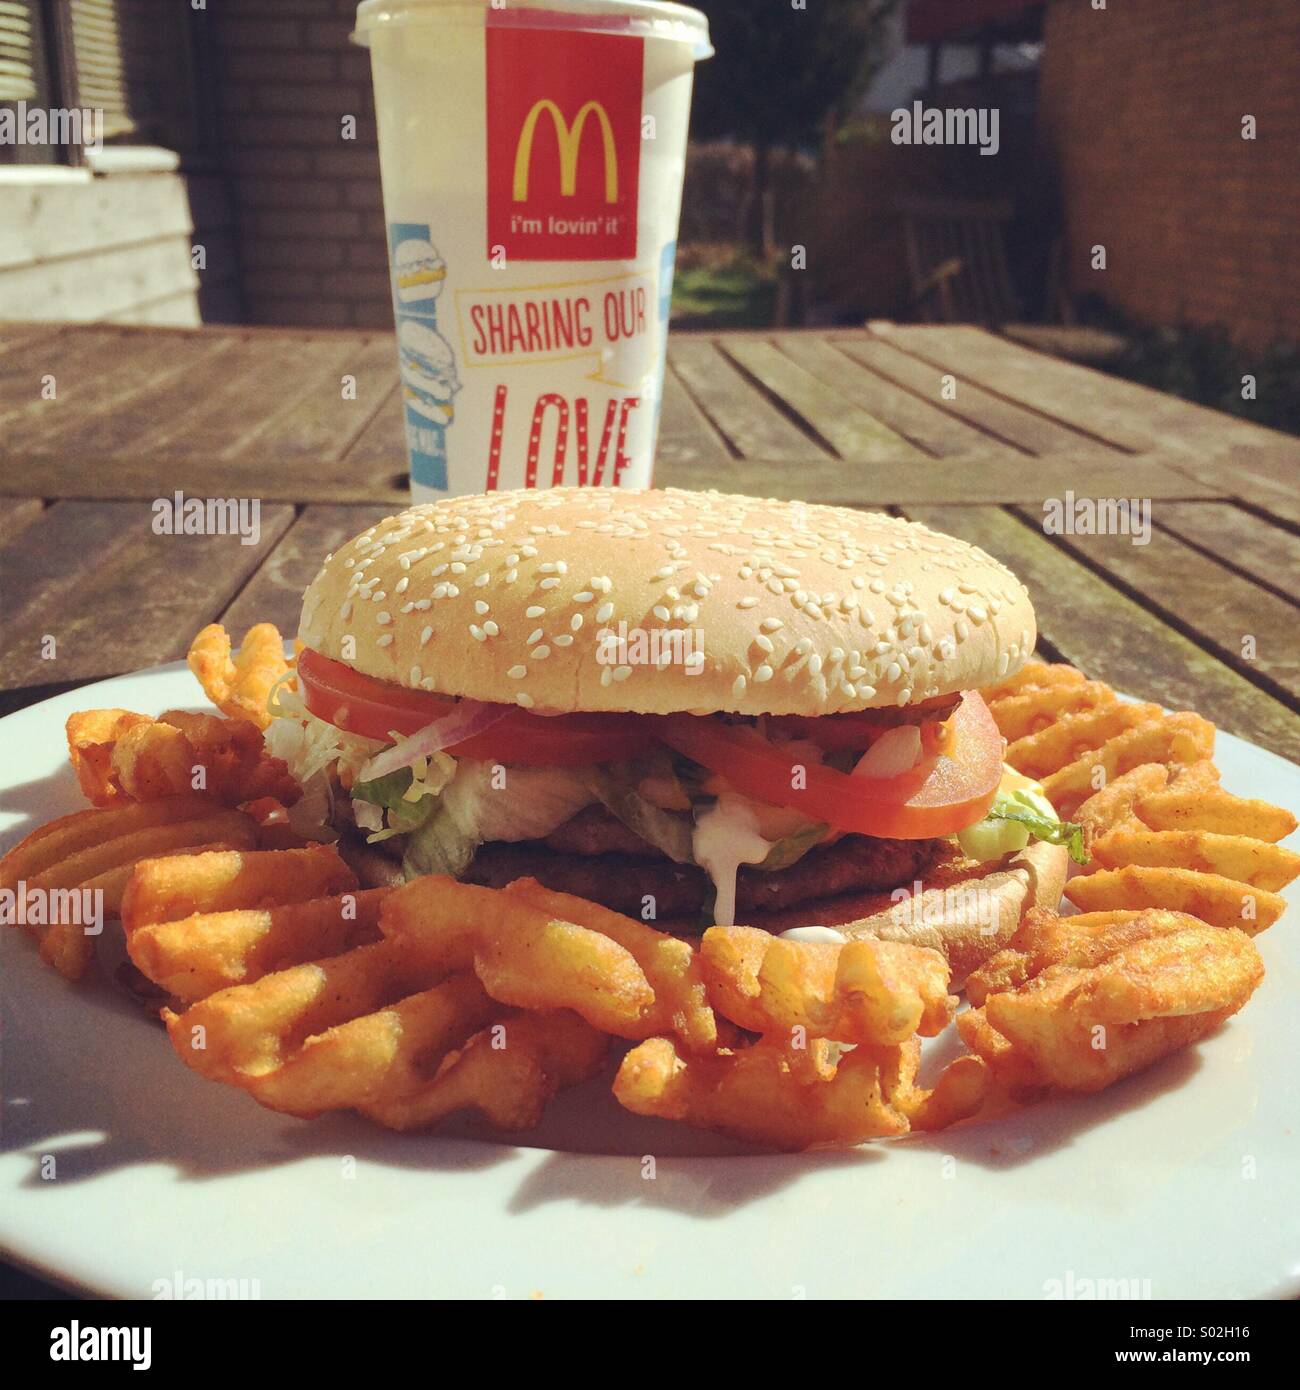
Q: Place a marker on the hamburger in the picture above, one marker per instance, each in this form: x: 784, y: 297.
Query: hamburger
x: 688, y: 706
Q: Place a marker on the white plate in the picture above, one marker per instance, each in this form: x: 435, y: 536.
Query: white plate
x: 1176, y: 1183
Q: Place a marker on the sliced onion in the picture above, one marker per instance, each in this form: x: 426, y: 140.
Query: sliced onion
x: 892, y: 754
x: 468, y: 719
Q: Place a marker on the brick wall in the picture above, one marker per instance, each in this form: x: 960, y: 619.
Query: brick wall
x: 308, y: 206
x: 1141, y: 106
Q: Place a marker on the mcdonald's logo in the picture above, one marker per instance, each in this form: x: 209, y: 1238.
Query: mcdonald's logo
x: 564, y: 110
x: 569, y: 139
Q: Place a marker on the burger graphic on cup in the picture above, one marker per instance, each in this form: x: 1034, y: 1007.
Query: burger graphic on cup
x: 429, y: 376
x: 419, y: 271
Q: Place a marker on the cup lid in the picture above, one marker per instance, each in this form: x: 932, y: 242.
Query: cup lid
x: 639, y: 18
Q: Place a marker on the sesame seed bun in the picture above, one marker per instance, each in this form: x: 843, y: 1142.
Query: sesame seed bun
x: 792, y: 608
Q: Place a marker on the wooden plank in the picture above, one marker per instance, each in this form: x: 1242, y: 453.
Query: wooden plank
x: 1013, y: 424
x: 1216, y: 607
x: 1263, y: 477
x: 143, y: 381
x: 380, y: 449
x: 123, y: 475
x: 19, y: 336
x: 132, y: 604
x: 319, y: 422
x: 257, y: 380
x: 87, y: 370
x: 925, y: 425
x: 273, y: 593
x: 846, y: 428
x: 689, y: 451
x: 752, y: 426
x: 1236, y: 538
x: 16, y: 514
x: 1001, y: 476
x: 1131, y: 416
x: 1112, y: 638
x: 76, y: 537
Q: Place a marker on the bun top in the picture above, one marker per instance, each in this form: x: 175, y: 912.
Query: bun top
x: 743, y: 604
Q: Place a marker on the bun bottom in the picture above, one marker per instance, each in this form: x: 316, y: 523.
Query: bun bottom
x: 965, y: 909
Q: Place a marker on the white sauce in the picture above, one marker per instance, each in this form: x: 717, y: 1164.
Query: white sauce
x: 821, y: 935
x: 726, y: 836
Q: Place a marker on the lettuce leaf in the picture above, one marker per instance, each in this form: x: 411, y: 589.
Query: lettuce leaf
x: 665, y: 830
x: 1027, y: 810
x: 791, y: 848
x: 404, y: 812
x: 481, y: 803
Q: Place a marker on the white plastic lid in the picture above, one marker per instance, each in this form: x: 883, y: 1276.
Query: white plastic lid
x: 638, y: 18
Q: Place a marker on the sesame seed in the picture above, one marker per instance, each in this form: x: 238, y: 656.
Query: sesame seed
x: 522, y: 697
x: 425, y: 635
x: 763, y: 673
x: 749, y: 602
x: 491, y: 628
x: 416, y: 675
x: 549, y: 584
x: 764, y: 644
x: 384, y: 618
x: 386, y: 640
x: 586, y: 596
x: 534, y: 636
x: 605, y: 612
x: 621, y: 673
x: 575, y: 622
x: 563, y: 640
x: 738, y: 686
x: 517, y: 672
x: 476, y: 632
x: 540, y: 653
x: 534, y: 610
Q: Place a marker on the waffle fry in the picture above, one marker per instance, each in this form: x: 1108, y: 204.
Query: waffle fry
x: 382, y: 1031
x: 773, y: 1093
x: 863, y: 991
x: 1257, y: 863
x: 507, y: 1073
x: 1100, y: 1004
x: 164, y: 890
x: 96, y: 851
x: 239, y: 683
x: 528, y: 956
x: 194, y: 956
x: 120, y: 757
x: 672, y: 967
x: 1189, y: 846
x: 1160, y: 830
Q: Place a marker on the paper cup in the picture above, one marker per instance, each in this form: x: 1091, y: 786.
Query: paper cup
x: 532, y: 155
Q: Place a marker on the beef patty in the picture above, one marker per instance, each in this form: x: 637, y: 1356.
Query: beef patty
x: 620, y: 880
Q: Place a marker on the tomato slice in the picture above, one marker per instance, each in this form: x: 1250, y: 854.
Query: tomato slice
x: 361, y: 704
x: 378, y: 709
x: 943, y: 795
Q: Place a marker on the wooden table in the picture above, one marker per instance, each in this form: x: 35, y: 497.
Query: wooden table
x: 952, y: 426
